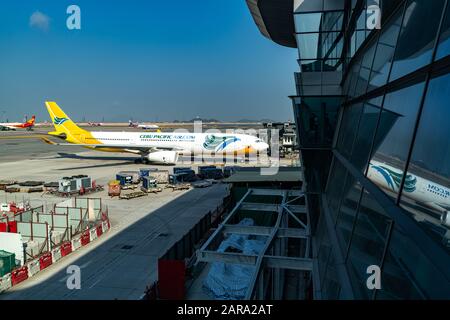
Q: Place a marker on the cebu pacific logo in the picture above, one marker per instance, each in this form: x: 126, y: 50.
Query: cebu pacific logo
x: 217, y: 144
x: 394, y: 179
x: 59, y: 121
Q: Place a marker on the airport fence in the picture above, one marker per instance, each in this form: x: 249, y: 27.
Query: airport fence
x: 49, y: 237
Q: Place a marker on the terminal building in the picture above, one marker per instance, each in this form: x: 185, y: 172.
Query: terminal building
x: 371, y: 110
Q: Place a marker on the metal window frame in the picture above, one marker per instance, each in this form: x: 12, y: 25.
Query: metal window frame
x: 264, y: 258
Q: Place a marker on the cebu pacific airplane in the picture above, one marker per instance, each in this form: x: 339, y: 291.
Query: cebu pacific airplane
x: 426, y: 192
x: 18, y: 125
x: 155, y: 147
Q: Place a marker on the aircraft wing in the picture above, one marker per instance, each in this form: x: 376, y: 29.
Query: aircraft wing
x: 4, y: 125
x: 137, y: 149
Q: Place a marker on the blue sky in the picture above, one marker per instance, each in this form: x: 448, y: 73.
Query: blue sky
x: 146, y: 60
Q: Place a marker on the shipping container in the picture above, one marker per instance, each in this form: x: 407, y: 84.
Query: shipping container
x: 114, y: 188
x: 124, y: 179
x: 201, y: 169
x: 161, y: 176
x: 135, y: 176
x: 149, y: 182
x: 178, y: 170
x: 211, y: 173
x: 144, y: 172
x: 7, y: 262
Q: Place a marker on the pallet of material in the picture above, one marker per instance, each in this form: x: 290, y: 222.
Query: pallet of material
x: 179, y: 186
x: 31, y: 183
x: 151, y: 190
x: 6, y: 183
x: 129, y: 187
x: 32, y: 189
x: 12, y: 189
x: 137, y: 194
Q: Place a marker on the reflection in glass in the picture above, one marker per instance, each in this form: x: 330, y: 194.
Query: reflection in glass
x: 364, y: 73
x: 334, y: 189
x: 368, y: 242
x: 385, y: 52
x: 409, y: 273
x: 428, y: 199
x: 347, y: 131
x: 307, y: 22
x: 366, y: 133
x: 308, y: 45
x: 444, y: 45
x: 393, y: 137
x: 318, y: 121
x: 416, y: 42
x: 347, y: 212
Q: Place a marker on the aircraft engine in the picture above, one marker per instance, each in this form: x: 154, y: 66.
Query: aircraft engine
x: 445, y: 218
x: 163, y: 157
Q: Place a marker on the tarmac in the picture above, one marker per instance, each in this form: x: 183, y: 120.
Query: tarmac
x: 120, y: 264
x: 148, y: 226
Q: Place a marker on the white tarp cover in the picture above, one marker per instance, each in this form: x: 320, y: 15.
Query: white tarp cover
x: 13, y: 243
x: 230, y: 281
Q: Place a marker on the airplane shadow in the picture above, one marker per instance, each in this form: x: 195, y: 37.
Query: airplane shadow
x: 103, y: 158
x: 123, y: 161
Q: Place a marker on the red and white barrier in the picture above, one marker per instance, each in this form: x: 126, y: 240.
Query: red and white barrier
x: 99, y: 230
x: 33, y: 267
x: 56, y: 254
x: 92, y: 234
x: 105, y: 226
x: 45, y: 260
x: 85, y: 238
x: 19, y: 275
x: 76, y: 243
x: 66, y: 248
x: 5, y: 282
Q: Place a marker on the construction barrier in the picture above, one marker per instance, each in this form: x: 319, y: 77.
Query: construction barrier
x: 19, y: 275
x: 76, y: 243
x: 5, y: 282
x: 66, y: 248
x: 45, y: 260
x: 12, y: 226
x: 56, y: 254
x: 99, y: 229
x: 85, y: 238
x: 105, y: 226
x: 33, y: 267
x: 92, y: 234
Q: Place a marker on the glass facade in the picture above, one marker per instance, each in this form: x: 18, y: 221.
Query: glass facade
x: 395, y: 120
x: 372, y: 113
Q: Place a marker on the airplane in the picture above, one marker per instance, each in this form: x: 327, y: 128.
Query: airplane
x: 17, y: 125
x: 143, y: 126
x: 420, y: 190
x: 153, y: 147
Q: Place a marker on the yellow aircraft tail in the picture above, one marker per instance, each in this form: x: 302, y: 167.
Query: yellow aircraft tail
x: 65, y: 128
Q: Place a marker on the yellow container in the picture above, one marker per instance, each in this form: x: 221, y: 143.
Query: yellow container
x: 114, y: 182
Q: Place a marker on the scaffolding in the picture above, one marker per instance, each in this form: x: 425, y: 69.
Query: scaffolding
x: 282, y: 217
